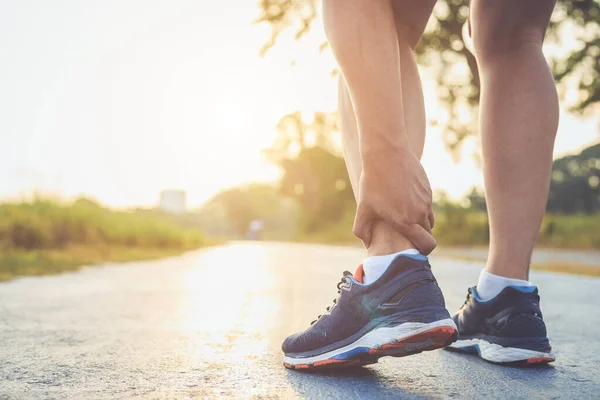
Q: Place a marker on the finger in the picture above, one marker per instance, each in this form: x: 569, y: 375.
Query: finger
x: 363, y: 225
x: 425, y: 222
x: 431, y: 219
x: 420, y: 236
x: 423, y: 240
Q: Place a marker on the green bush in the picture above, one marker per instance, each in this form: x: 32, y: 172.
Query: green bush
x: 457, y: 226
x: 571, y: 231
x: 462, y: 227
x: 50, y: 225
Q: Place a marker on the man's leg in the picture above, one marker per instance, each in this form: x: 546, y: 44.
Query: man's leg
x: 519, y: 120
x: 411, y: 18
x: 501, y: 319
x: 403, y: 311
x: 393, y: 184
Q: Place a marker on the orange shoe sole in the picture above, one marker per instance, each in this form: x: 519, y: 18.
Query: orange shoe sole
x: 432, y: 339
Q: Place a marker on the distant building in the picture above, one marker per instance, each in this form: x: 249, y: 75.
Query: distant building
x: 173, y: 201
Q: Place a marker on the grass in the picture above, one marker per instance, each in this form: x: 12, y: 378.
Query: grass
x: 561, y: 267
x: 568, y: 268
x: 42, y: 237
x: 48, y: 262
x: 467, y: 228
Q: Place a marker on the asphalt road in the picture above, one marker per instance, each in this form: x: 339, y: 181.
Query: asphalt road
x: 209, y: 324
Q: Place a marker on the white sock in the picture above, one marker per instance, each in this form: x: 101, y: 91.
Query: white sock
x: 375, y: 266
x: 490, y: 285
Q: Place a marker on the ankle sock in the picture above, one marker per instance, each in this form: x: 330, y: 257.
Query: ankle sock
x: 490, y: 285
x: 375, y: 266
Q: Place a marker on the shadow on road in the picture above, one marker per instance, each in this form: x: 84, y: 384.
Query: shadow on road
x: 195, y: 326
x: 359, y: 382
x: 382, y: 382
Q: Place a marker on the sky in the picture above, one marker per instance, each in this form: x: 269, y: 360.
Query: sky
x: 118, y: 100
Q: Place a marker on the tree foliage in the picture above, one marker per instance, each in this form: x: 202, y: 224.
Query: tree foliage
x: 575, y: 186
x: 313, y: 173
x: 295, y: 135
x: 231, y: 211
x: 575, y: 27
x: 283, y: 14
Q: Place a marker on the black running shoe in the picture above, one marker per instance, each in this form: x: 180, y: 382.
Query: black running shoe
x: 507, y: 329
x: 401, y: 313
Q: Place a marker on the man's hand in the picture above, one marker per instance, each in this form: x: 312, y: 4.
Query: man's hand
x: 394, y: 188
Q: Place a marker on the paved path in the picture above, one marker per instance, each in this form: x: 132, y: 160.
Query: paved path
x: 209, y: 324
x: 589, y: 258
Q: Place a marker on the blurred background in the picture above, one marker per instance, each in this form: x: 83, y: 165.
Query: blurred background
x: 140, y: 129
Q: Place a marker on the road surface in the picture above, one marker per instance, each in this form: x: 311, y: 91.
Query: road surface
x: 589, y: 258
x: 208, y: 324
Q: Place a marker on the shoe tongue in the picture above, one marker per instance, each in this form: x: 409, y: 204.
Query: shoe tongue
x: 359, y: 274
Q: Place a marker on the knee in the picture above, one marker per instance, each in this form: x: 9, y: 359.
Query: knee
x: 498, y: 41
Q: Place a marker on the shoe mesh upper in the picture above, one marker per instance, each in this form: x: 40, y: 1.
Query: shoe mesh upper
x: 362, y: 304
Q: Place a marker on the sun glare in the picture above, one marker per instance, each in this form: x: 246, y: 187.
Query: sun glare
x: 225, y: 300
x: 176, y: 109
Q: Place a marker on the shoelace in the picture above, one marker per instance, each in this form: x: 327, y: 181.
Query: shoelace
x: 339, y: 288
x: 467, y: 300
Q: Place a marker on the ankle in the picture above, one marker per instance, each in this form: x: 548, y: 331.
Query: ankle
x: 490, y: 285
x: 507, y: 269
x: 508, y: 263
x: 386, y: 240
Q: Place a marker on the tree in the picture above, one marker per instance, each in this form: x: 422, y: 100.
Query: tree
x: 295, y: 135
x: 318, y: 180
x: 444, y: 50
x: 476, y: 199
x: 575, y: 186
x: 313, y: 173
x: 243, y: 204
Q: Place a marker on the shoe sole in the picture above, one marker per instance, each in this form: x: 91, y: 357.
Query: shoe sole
x: 398, y: 341
x: 497, y: 354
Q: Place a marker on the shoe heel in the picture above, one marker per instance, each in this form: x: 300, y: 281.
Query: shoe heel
x: 432, y: 339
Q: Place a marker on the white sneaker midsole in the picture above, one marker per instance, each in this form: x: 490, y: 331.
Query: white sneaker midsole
x: 500, y: 354
x: 376, y: 338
